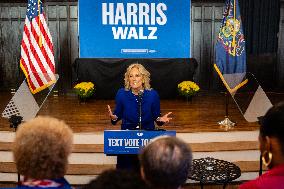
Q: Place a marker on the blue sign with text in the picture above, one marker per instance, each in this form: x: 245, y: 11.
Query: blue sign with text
x: 129, y: 141
x: 134, y: 29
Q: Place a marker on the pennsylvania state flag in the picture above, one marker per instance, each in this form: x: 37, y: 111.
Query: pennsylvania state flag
x: 230, y: 49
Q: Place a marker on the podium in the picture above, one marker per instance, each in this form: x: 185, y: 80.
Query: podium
x: 129, y: 141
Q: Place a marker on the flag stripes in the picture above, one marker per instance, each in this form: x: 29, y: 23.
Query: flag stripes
x: 37, y: 57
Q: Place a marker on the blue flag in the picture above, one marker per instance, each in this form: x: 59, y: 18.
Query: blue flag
x: 230, y: 49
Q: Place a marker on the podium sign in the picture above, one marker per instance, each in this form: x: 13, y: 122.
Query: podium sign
x: 129, y: 141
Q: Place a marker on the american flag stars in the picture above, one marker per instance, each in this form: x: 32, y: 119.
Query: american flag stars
x: 33, y: 9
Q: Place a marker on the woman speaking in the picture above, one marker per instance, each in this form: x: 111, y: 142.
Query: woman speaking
x: 137, y: 90
x: 138, y: 106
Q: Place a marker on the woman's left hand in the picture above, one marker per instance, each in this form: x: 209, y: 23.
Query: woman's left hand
x: 165, y: 118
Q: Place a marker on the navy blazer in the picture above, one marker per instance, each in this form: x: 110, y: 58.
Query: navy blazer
x: 127, y: 109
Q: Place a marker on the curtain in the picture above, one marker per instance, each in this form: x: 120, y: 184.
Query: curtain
x: 261, y: 25
x: 108, y: 74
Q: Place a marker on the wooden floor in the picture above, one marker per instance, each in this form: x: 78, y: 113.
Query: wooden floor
x: 199, y: 115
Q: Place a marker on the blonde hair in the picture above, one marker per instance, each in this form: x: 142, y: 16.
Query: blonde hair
x: 143, y: 71
x: 41, y: 148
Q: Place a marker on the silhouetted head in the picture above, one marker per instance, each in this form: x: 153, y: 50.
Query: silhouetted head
x: 271, y: 135
x: 166, y: 162
x: 41, y: 148
x: 117, y: 179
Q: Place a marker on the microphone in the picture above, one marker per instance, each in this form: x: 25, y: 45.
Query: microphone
x: 140, y: 93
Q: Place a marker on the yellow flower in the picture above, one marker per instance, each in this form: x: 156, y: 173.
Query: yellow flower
x: 84, y: 89
x: 188, y: 88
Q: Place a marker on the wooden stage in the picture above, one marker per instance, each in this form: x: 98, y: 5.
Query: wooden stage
x: 199, y: 115
x: 195, y: 123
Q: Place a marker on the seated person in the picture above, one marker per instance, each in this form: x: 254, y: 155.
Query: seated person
x: 166, y: 163
x: 41, y: 149
x: 271, y: 139
x: 117, y: 179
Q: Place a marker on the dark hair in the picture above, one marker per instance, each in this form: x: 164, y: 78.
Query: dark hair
x: 272, y: 123
x: 117, y: 179
x: 166, y: 162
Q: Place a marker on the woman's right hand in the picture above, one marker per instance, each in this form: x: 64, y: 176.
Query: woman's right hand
x: 111, y: 115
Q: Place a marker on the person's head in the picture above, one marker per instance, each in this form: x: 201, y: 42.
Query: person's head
x: 166, y: 162
x: 136, y: 77
x: 271, y: 136
x: 41, y: 148
x: 117, y: 179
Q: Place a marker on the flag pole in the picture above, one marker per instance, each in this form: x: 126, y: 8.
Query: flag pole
x: 226, y: 123
x: 40, y: 37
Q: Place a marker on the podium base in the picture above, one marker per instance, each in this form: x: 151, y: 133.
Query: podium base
x: 226, y: 123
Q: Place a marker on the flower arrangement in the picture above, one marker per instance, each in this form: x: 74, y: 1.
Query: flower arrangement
x: 84, y: 89
x: 188, y: 88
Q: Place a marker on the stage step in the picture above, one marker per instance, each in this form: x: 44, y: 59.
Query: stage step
x: 196, y: 147
x: 91, y: 169
x: 87, y: 159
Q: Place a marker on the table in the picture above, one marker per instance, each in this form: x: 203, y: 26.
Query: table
x: 215, y: 171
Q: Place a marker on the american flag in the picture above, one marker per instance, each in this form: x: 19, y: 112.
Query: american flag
x: 37, y: 56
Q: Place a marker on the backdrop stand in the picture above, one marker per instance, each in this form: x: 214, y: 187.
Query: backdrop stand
x: 24, y: 106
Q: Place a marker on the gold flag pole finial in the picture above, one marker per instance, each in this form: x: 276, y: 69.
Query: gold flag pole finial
x: 40, y: 36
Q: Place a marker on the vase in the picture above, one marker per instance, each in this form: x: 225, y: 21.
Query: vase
x: 82, y: 100
x: 189, y: 99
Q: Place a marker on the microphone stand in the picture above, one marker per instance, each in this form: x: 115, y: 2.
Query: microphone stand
x: 140, y: 110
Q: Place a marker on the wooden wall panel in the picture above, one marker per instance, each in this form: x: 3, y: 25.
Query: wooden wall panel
x: 205, y: 24
x: 10, y: 36
x: 62, y: 21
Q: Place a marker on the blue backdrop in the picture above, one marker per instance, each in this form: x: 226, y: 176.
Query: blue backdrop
x: 134, y: 29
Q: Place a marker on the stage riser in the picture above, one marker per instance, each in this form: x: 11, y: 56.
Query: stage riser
x: 102, y: 159
x: 197, y: 137
x: 87, y: 159
x: 196, y: 147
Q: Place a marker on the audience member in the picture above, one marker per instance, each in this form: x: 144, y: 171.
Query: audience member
x: 165, y: 163
x: 271, y: 139
x: 41, y: 149
x: 117, y: 179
